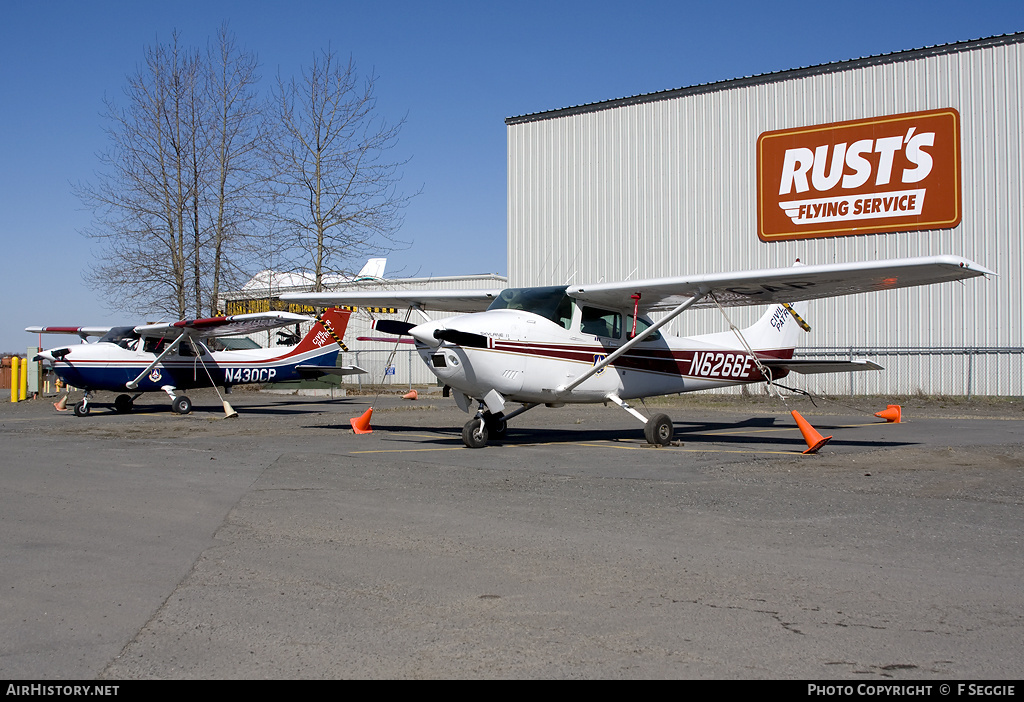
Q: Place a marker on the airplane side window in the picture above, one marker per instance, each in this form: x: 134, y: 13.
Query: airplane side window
x: 154, y: 344
x: 601, y: 323
x: 641, y: 324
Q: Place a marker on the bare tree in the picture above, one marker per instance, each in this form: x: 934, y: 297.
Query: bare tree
x: 180, y: 181
x: 238, y: 192
x: 337, y: 190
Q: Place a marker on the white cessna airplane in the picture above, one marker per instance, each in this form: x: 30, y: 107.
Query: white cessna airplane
x: 595, y: 343
x: 175, y: 356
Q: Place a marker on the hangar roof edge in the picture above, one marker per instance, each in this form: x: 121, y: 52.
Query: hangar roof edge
x: 773, y: 77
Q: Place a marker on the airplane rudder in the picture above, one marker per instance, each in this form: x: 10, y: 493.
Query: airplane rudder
x: 338, y: 319
x: 333, y: 322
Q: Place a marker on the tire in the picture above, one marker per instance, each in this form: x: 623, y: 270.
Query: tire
x: 82, y: 409
x: 182, y: 405
x: 658, y: 430
x: 474, y: 434
x: 497, y: 428
x: 123, y: 404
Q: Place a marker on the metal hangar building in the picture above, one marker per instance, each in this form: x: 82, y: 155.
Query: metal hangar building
x: 905, y: 154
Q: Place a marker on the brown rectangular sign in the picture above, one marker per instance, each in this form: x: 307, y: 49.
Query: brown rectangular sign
x: 884, y: 174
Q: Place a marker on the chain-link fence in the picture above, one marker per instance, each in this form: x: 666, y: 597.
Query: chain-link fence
x: 928, y: 370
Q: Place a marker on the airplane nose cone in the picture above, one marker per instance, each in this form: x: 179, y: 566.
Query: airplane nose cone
x: 424, y: 334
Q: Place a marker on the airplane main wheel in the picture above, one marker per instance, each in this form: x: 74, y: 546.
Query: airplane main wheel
x: 474, y: 434
x: 658, y: 430
x: 497, y: 427
x: 182, y: 405
x: 123, y: 404
x: 82, y: 409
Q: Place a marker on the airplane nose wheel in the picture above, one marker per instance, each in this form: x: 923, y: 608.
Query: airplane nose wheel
x: 475, y: 434
x: 658, y: 430
x: 483, y: 427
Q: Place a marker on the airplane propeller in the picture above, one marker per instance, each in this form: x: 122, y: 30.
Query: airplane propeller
x: 393, y: 326
x: 454, y: 336
x: 461, y: 338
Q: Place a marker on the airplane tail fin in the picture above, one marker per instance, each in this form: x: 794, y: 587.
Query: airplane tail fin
x: 373, y: 270
x: 329, y: 329
x: 778, y: 329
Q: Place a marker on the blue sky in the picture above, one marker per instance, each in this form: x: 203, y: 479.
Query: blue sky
x: 454, y: 70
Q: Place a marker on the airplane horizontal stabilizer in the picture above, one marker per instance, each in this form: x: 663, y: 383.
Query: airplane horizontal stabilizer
x: 317, y: 371
x: 811, y: 365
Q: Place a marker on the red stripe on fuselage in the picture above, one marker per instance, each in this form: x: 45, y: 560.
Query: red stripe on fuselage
x: 653, y: 360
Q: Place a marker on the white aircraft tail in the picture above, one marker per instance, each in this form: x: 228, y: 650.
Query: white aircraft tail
x: 373, y: 270
x: 777, y: 329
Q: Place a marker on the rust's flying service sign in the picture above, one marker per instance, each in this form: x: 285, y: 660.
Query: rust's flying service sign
x: 884, y: 174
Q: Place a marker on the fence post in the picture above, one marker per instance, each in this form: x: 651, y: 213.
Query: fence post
x: 970, y: 372
x: 359, y: 376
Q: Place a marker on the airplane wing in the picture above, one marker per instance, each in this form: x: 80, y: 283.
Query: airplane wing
x: 230, y: 325
x: 436, y: 300
x: 773, y: 285
x: 83, y: 332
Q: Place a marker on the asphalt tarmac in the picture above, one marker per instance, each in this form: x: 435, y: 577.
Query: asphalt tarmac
x: 279, y: 544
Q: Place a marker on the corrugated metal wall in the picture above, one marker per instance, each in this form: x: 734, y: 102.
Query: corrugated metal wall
x: 668, y: 187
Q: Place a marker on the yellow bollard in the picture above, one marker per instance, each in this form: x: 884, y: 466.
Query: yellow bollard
x: 23, y: 383
x: 15, y: 374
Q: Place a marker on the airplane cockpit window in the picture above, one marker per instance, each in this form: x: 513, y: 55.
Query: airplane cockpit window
x: 154, y: 344
x: 601, y: 322
x: 125, y: 337
x: 550, y: 302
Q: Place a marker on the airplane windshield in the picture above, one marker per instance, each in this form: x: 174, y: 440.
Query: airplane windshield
x: 549, y: 302
x: 122, y: 336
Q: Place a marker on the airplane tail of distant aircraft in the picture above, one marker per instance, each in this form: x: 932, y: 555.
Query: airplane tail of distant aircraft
x: 373, y: 270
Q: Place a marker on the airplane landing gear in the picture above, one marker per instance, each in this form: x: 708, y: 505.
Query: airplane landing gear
x: 658, y: 430
x: 123, y: 404
x: 497, y: 427
x: 486, y: 425
x: 475, y: 434
x: 181, y: 404
x: 82, y: 408
x: 483, y: 427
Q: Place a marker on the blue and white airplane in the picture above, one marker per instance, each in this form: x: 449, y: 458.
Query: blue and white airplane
x: 175, y: 356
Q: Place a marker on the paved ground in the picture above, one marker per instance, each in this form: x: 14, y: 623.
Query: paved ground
x: 280, y: 544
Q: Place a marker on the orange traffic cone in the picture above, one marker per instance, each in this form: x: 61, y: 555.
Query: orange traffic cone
x: 411, y: 395
x: 361, y: 424
x: 814, y: 440
x: 891, y: 414
x: 61, y: 405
